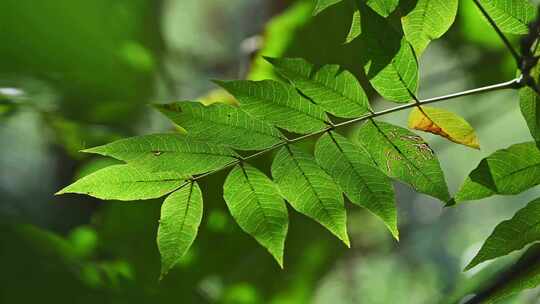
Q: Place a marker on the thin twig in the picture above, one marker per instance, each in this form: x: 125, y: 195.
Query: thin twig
x: 514, y: 83
x: 505, y: 40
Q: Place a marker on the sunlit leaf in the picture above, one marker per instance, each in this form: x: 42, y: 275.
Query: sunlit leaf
x: 390, y: 65
x: 256, y: 205
x: 277, y: 103
x: 222, y: 124
x: 511, y: 235
x: 335, y: 90
x: 507, y: 171
x: 321, y: 5
x: 168, y: 152
x: 310, y: 190
x: 511, y: 16
x: 444, y: 123
x: 383, y: 7
x: 354, y: 170
x: 427, y: 21
x: 126, y: 183
x: 405, y: 156
x: 181, y: 215
x: 356, y: 24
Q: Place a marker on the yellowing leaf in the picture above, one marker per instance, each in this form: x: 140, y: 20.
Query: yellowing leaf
x: 444, y: 123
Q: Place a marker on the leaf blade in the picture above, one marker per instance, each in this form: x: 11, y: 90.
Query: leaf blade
x: 444, y: 123
x: 168, y: 152
x: 181, y: 215
x: 277, y: 103
x: 364, y: 184
x: 507, y: 171
x: 511, y: 16
x: 405, y: 156
x: 310, y: 190
x: 126, y: 183
x: 427, y: 21
x: 336, y: 91
x: 257, y: 207
x: 222, y: 124
x: 511, y: 235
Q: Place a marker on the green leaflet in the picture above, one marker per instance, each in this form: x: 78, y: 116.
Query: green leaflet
x: 507, y: 171
x: 181, y: 215
x: 427, y: 21
x: 310, y: 190
x: 321, y: 5
x: 356, y: 23
x: 336, y: 91
x: 405, y: 156
x: 222, y: 124
x: 527, y: 279
x: 256, y: 205
x: 383, y: 7
x: 511, y: 16
x: 529, y: 102
x: 390, y: 65
x: 471, y: 191
x: 126, y: 183
x: 168, y: 152
x: 511, y: 235
x: 278, y: 103
x: 355, y: 172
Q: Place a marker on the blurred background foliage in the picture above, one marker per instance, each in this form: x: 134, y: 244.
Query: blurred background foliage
x: 75, y: 74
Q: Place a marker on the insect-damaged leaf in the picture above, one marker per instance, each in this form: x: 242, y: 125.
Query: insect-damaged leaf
x: 126, y: 183
x: 168, y: 152
x: 310, y: 190
x: 511, y: 16
x: 427, y: 21
x: 355, y: 172
x: 390, y: 64
x: 181, y: 215
x: 256, y: 205
x: 277, y: 103
x: 510, y: 235
x: 335, y: 90
x: 405, y: 156
x: 507, y: 171
x: 222, y: 124
x: 444, y: 123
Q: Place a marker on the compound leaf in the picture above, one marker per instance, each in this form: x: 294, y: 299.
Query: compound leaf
x: 336, y: 91
x: 126, y: 183
x: 507, y: 171
x: 355, y: 172
x: 181, y: 215
x: 278, y: 103
x: 511, y: 235
x: 511, y: 16
x: 222, y: 124
x: 256, y: 205
x: 168, y: 152
x: 310, y: 190
x: 405, y: 156
x: 427, y: 21
x: 444, y: 123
